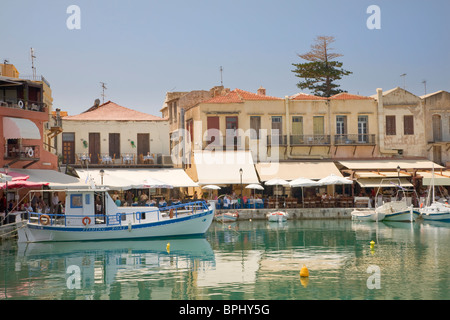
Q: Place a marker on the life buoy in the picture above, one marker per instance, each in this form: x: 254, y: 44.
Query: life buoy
x: 30, y: 153
x: 44, y: 219
x: 20, y: 103
x: 86, y: 221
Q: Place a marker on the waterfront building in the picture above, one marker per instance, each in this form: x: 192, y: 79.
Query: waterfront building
x: 28, y: 125
x: 437, y: 126
x: 110, y: 134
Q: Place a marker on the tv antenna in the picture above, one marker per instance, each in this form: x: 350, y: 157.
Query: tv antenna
x: 33, y: 68
x: 404, y: 81
x: 103, y: 91
x: 425, y: 85
x: 221, y: 78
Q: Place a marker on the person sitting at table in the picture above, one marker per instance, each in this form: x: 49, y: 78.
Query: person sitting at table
x: 163, y: 202
x: 152, y: 202
x: 226, y: 202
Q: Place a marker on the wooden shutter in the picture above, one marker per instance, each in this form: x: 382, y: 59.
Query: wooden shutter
x: 114, y: 145
x: 390, y: 126
x: 94, y: 146
x: 408, y: 125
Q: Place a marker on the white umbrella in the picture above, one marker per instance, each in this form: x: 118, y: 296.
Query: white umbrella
x: 303, y: 182
x: 211, y: 187
x: 254, y: 186
x: 276, y: 182
x: 334, y: 179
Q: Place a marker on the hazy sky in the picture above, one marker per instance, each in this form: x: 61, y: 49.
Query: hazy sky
x: 142, y: 49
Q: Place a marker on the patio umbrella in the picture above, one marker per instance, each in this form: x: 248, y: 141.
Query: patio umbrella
x: 254, y: 186
x: 276, y: 182
x: 303, y: 182
x: 334, y: 179
x: 211, y: 187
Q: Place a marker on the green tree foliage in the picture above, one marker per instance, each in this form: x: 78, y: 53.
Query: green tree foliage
x: 320, y: 73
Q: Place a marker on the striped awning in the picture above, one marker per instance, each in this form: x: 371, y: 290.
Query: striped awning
x: 18, y: 128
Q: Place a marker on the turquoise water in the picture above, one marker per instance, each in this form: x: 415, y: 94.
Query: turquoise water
x: 244, y: 260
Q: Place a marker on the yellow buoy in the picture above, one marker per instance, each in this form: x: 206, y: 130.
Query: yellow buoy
x: 304, y: 271
x: 168, y: 247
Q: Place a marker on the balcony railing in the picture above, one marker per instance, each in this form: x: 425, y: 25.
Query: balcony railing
x: 226, y: 142
x: 22, y: 153
x: 354, y: 139
x: 23, y: 104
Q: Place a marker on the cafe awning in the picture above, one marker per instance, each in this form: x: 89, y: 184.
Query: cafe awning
x: 54, y: 179
x: 440, y: 179
x: 390, y: 164
x: 223, y: 167
x: 383, y: 183
x: 314, y: 170
x: 18, y: 128
x: 136, y: 178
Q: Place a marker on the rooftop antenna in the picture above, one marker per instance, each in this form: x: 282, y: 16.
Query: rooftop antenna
x: 221, y: 78
x: 404, y: 81
x: 425, y: 85
x: 33, y: 68
x: 103, y: 91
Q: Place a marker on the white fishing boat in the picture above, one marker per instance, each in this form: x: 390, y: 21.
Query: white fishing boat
x: 91, y: 214
x: 367, y: 215
x: 277, y: 216
x: 435, y: 210
x: 227, y: 217
x: 398, y: 209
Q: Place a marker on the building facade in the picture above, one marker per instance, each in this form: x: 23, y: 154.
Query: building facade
x: 28, y: 127
x: 109, y: 134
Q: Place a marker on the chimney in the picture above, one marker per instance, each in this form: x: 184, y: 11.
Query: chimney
x: 261, y: 91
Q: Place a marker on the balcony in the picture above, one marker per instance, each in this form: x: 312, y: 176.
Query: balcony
x: 23, y: 104
x: 223, y: 142
x: 354, y: 139
x: 17, y: 153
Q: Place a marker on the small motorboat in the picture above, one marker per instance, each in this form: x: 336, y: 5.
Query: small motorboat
x: 367, y: 215
x: 227, y: 217
x: 277, y: 216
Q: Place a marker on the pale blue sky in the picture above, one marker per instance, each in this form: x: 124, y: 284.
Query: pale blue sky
x: 142, y: 49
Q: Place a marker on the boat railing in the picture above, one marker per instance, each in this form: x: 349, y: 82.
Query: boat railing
x: 119, y: 218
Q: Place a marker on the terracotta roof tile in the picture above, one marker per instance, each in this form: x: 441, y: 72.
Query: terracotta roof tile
x: 239, y: 96
x: 348, y: 96
x: 110, y: 111
x: 304, y: 96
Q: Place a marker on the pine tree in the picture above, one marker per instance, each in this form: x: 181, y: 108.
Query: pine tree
x: 320, y: 73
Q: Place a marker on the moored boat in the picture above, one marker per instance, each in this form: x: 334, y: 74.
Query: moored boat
x: 435, y: 210
x: 91, y: 214
x: 367, y: 215
x: 277, y: 216
x: 227, y: 216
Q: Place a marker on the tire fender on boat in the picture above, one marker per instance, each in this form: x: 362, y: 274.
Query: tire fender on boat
x: 86, y: 221
x: 171, y: 213
x: 44, y: 219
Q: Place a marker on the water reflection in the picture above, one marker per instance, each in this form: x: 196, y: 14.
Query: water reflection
x: 243, y: 260
x: 109, y: 269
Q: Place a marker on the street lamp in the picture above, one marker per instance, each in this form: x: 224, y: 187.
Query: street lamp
x: 241, y: 172
x: 102, y: 173
x: 398, y: 172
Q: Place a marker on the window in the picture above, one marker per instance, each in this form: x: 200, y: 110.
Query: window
x: 76, y: 201
x: 318, y: 125
x: 255, y: 126
x: 363, y: 129
x: 390, y: 126
x: 408, y: 125
x: 297, y: 130
x: 341, y: 125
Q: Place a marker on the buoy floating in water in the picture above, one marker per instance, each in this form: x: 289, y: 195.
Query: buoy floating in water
x: 168, y: 247
x: 304, y: 271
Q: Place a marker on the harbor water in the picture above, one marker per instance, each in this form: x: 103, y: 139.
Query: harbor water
x: 240, y: 261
